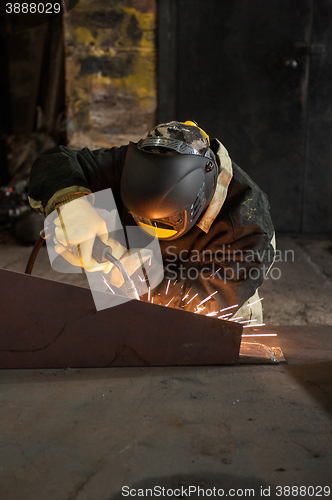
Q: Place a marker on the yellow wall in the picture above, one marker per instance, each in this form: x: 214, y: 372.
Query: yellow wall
x: 110, y: 71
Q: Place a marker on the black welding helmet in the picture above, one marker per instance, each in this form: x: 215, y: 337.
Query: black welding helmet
x: 167, y: 193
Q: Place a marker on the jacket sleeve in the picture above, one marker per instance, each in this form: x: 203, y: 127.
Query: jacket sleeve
x: 229, y: 262
x: 62, y: 171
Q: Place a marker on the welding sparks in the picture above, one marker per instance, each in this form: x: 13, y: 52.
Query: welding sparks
x: 187, y: 294
x: 259, y: 335
x: 212, y: 275
x: 150, y: 261
x: 230, y: 307
x: 104, y: 280
x: 234, y: 319
x: 252, y: 303
x: 207, y: 298
x: 250, y: 326
x: 170, y: 301
x: 248, y: 321
x: 149, y: 294
x: 199, y: 309
x: 224, y: 315
x: 167, y: 287
x: 192, y: 298
x: 214, y: 313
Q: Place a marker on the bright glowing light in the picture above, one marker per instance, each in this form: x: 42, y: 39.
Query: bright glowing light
x: 104, y: 280
x: 212, y: 274
x: 167, y: 287
x: 169, y: 301
x: 250, y: 326
x: 207, y: 298
x: 230, y: 307
x: 187, y: 294
x: 224, y: 315
x: 192, y: 298
x: 252, y: 303
x: 259, y: 335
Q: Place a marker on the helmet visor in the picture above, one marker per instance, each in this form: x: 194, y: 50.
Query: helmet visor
x: 166, y: 228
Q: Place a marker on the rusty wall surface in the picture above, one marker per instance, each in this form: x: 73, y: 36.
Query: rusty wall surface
x: 110, y: 71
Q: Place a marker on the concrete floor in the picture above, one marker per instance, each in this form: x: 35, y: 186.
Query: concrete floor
x: 303, y: 294
x: 83, y: 434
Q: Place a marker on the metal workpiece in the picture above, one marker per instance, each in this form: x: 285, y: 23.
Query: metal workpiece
x: 256, y: 353
x: 47, y: 324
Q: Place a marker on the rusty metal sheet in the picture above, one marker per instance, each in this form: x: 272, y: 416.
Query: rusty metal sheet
x: 47, y: 324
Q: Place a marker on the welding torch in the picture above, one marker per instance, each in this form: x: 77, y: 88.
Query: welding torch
x: 102, y: 253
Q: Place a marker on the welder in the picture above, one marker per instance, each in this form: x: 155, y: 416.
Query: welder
x: 212, y: 221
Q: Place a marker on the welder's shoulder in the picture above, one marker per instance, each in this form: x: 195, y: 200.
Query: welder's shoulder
x: 244, y: 179
x: 104, y: 158
x: 243, y: 190
x: 247, y: 204
x: 61, y: 171
x: 102, y: 168
x: 99, y: 157
x: 85, y: 167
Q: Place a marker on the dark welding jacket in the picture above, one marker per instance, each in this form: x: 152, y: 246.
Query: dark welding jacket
x: 227, y: 253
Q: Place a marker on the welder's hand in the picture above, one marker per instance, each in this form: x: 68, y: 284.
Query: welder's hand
x: 117, y: 249
x: 77, y: 225
x: 132, y: 260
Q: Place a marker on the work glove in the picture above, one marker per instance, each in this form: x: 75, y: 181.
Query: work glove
x: 77, y: 225
x: 132, y: 260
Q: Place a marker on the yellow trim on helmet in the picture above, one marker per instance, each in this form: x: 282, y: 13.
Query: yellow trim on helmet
x: 193, y: 124
x: 157, y: 231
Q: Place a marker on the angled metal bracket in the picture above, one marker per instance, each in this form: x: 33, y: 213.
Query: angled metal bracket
x: 47, y: 324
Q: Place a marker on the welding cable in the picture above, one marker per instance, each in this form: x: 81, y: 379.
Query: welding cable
x: 34, y: 252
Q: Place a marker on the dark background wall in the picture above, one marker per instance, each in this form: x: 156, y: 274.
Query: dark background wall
x: 258, y: 75
x: 32, y: 80
x: 97, y: 62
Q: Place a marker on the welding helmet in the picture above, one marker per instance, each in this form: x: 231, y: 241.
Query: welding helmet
x: 167, y: 193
